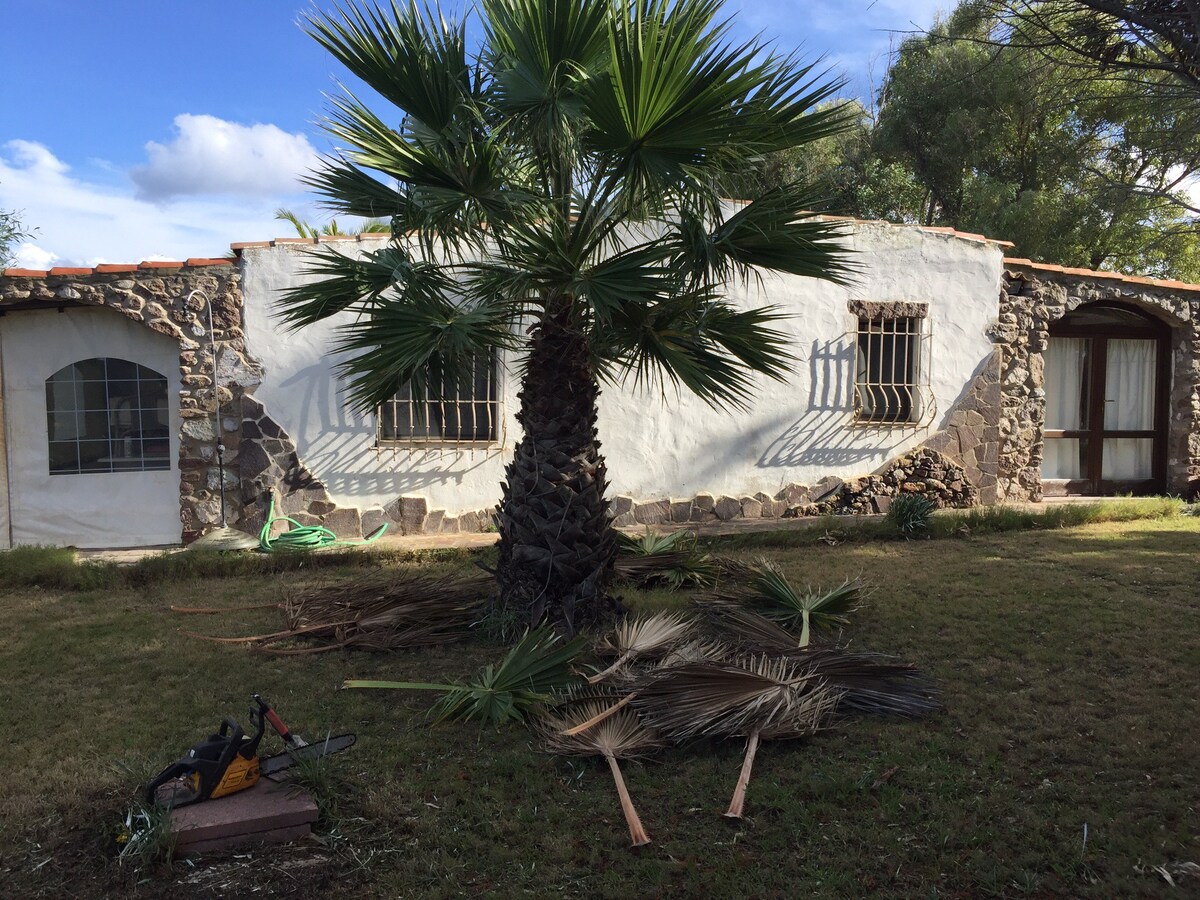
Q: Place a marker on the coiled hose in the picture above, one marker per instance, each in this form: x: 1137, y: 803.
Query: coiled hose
x: 305, y: 537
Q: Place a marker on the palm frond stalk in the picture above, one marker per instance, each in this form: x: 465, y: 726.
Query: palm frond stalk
x: 617, y: 736
x: 556, y: 196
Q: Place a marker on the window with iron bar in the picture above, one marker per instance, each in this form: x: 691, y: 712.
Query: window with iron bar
x: 890, y: 383
x: 461, y: 408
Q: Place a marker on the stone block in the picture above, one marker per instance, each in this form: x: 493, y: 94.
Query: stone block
x: 618, y: 506
x: 409, y: 512
x: 373, y: 518
x: 624, y: 520
x: 704, y: 502
x: 751, y: 508
x: 681, y: 511
x: 450, y: 525
x: 652, y: 513
x: 264, y: 814
x: 774, y: 509
x: 794, y: 494
x: 830, y: 486
x: 432, y: 523
x: 881, y: 503
x: 468, y: 522
x: 762, y: 498
x: 727, y: 508
x: 701, y: 515
x: 345, y: 523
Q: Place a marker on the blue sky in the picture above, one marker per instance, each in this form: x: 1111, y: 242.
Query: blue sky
x: 137, y: 130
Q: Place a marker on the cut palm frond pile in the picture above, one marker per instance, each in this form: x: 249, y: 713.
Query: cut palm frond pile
x: 618, y: 736
x: 382, y: 612
x: 534, y: 672
x: 665, y: 560
x: 643, y: 638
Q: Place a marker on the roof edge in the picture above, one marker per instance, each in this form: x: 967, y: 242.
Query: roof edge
x: 196, y: 262
x: 1165, y: 283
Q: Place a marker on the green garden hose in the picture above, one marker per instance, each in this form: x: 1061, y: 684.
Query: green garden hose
x: 305, y: 537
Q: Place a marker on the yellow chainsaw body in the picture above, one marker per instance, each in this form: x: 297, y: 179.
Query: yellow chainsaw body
x: 242, y: 773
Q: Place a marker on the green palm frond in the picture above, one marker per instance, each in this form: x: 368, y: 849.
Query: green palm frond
x: 530, y: 675
x: 775, y: 597
x: 672, y: 559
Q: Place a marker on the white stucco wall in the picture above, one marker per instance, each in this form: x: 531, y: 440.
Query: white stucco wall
x: 798, y: 431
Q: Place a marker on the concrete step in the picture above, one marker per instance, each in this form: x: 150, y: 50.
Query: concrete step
x: 267, y: 813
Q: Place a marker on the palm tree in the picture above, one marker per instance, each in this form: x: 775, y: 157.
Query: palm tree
x: 557, y: 193
x: 308, y: 230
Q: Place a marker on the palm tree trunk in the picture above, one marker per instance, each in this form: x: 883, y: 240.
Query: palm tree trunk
x: 556, y: 542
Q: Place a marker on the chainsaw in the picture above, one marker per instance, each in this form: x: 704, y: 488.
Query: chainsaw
x: 228, y: 761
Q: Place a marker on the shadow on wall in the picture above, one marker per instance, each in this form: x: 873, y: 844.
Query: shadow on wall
x: 339, y: 446
x: 824, y: 435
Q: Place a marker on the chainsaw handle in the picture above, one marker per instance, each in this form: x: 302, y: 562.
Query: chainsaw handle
x: 266, y: 712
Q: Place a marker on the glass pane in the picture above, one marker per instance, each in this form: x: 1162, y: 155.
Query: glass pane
x: 88, y: 370
x: 153, y: 393
x: 1065, y: 458
x: 95, y: 426
x: 1129, y: 385
x: 122, y: 393
x: 1107, y: 316
x: 1128, y: 459
x: 92, y: 395
x: 94, y: 457
x: 122, y: 370
x: 64, y: 426
x: 64, y: 457
x: 1068, y: 364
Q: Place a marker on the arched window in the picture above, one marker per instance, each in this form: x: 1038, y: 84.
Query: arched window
x: 107, y: 415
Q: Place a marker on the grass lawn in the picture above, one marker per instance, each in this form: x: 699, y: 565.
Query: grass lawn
x: 1068, y: 661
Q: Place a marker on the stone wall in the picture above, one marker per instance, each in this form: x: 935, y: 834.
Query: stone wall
x: 163, y: 297
x: 1032, y: 297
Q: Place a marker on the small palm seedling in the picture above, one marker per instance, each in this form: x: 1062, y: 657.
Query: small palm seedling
x: 536, y: 669
x: 621, y: 735
x: 671, y: 560
x: 910, y: 513
x: 778, y: 599
x: 755, y: 697
x: 644, y: 638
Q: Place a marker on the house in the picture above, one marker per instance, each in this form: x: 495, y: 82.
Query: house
x: 946, y: 369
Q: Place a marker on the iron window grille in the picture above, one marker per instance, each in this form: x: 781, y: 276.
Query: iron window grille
x: 456, y: 409
x: 892, y: 381
x: 107, y: 415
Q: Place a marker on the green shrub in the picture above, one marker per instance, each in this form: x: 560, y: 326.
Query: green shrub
x: 910, y: 513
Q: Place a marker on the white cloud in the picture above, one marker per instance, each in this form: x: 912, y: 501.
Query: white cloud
x: 81, y: 222
x: 212, y: 156
x: 31, y: 256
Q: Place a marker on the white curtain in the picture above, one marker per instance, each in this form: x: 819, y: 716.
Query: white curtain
x: 1129, y: 385
x: 1063, y: 458
x: 1066, y: 383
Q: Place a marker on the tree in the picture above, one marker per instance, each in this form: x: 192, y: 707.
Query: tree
x: 308, y: 230
x: 12, y: 231
x: 1079, y: 171
x: 557, y: 194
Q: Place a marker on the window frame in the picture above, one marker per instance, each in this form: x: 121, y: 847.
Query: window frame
x: 493, y: 405
x: 874, y: 321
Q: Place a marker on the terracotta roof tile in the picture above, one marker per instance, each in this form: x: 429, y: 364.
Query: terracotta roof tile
x: 110, y: 268
x: 114, y: 268
x: 162, y: 264
x: 197, y: 261
x: 69, y: 270
x: 1165, y: 283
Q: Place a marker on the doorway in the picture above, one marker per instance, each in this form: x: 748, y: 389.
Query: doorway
x: 1107, y: 379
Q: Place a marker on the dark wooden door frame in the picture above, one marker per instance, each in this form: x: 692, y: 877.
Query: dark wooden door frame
x: 1149, y: 329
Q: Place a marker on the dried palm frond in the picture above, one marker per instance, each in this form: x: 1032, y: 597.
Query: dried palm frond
x: 745, y: 628
x: 759, y: 697
x: 386, y: 611
x: 531, y: 674
x: 696, y: 651
x: 672, y: 559
x: 647, y: 637
x: 773, y: 595
x: 734, y: 698
x: 871, y: 683
x: 619, y: 736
